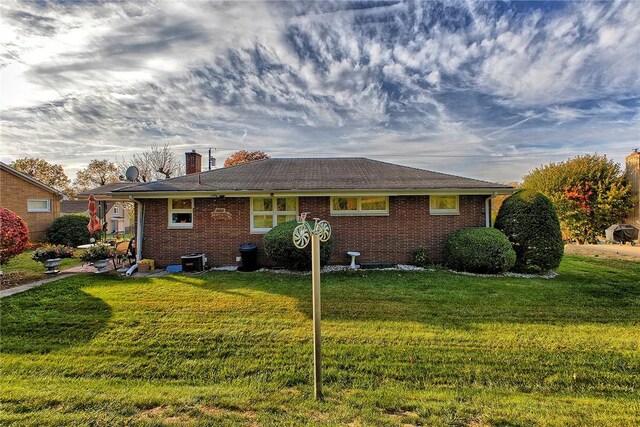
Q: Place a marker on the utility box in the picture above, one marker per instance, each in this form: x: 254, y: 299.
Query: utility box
x: 193, y: 262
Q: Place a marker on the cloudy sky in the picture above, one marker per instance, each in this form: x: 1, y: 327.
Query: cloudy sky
x: 488, y: 90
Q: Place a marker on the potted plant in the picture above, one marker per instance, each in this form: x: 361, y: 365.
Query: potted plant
x: 99, y: 255
x: 51, y: 256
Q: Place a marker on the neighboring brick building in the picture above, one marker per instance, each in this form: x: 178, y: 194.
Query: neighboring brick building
x: 633, y: 175
x: 382, y: 210
x: 36, y: 203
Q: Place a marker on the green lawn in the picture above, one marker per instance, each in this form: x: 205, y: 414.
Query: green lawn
x: 416, y: 348
x: 22, y: 269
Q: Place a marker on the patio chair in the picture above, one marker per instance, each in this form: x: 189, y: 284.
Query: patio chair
x: 125, y: 250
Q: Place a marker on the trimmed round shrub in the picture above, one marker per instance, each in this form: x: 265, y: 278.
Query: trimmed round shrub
x: 479, y: 250
x: 529, y: 221
x: 14, y: 235
x: 279, y: 247
x: 69, y: 230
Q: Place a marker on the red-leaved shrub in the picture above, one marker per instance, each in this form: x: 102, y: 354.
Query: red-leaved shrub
x: 14, y: 235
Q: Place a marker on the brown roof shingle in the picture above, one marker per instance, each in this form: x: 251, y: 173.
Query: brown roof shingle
x: 298, y: 174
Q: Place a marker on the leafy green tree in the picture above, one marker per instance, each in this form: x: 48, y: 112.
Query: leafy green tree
x: 589, y: 193
x: 99, y: 172
x: 50, y: 174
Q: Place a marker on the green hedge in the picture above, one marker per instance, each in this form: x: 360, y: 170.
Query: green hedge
x: 479, y: 250
x: 69, y: 230
x: 530, y: 222
x: 279, y: 247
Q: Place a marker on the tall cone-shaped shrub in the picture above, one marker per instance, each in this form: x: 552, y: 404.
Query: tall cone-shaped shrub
x: 531, y: 224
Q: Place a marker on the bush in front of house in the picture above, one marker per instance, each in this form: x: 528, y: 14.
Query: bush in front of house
x: 279, y: 247
x: 479, y: 250
x: 69, y: 230
x: 529, y: 221
x: 421, y: 258
x: 14, y: 235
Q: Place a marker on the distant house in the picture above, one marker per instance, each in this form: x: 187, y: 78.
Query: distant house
x: 385, y: 211
x: 36, y: 203
x: 118, y: 214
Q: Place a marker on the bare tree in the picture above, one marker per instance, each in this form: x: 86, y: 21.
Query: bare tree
x: 163, y: 161
x: 158, y: 162
x: 139, y: 160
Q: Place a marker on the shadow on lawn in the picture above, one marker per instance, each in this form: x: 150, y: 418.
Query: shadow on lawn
x: 52, y: 317
x: 448, y: 300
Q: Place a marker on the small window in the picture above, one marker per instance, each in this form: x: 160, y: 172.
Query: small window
x: 267, y: 212
x: 369, y: 205
x: 39, y: 205
x: 116, y: 210
x: 444, y: 205
x: 180, y: 213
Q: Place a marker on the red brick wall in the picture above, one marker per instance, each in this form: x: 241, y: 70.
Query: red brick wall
x: 14, y: 195
x: 390, y: 238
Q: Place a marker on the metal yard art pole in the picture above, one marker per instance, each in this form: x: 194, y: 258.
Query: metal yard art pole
x: 320, y: 232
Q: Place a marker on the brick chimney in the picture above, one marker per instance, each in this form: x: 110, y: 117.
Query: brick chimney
x: 193, y: 162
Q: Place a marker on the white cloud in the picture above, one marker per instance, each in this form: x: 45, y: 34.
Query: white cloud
x: 112, y: 78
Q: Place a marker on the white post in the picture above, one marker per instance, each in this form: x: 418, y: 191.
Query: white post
x: 317, y: 345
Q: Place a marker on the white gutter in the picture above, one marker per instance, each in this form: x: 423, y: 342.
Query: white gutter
x: 139, y: 227
x: 487, y: 209
x: 319, y: 193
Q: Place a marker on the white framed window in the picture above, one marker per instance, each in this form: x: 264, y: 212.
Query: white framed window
x: 267, y: 212
x: 180, y: 213
x: 448, y: 204
x: 116, y: 210
x: 360, y: 206
x: 39, y: 205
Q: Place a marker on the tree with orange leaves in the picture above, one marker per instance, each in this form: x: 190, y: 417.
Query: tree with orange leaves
x: 243, y: 156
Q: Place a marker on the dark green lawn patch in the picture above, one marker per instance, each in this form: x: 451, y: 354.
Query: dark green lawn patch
x: 418, y: 348
x: 22, y: 269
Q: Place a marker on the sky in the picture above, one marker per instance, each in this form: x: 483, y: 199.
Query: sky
x: 479, y: 89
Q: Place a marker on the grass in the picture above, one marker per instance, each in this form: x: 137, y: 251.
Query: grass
x: 416, y: 348
x: 23, y: 269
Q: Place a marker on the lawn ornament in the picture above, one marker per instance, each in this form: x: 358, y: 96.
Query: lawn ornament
x: 302, y: 234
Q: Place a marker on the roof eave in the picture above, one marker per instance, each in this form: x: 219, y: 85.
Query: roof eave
x: 488, y: 191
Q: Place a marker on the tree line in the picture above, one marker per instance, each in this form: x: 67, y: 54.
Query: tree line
x: 157, y: 163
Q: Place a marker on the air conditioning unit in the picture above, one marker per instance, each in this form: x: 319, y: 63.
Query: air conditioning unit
x: 194, y: 262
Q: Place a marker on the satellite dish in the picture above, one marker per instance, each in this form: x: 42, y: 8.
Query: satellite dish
x: 132, y: 173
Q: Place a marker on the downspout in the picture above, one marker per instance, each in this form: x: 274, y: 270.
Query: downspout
x: 487, y: 210
x: 139, y: 228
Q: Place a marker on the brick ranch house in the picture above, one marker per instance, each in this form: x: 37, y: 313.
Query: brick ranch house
x: 385, y: 211
x: 36, y: 203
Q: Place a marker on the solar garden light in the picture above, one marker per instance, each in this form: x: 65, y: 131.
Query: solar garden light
x: 320, y: 232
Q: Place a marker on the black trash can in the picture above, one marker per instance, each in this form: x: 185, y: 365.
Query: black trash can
x: 249, y: 256
x: 193, y: 262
